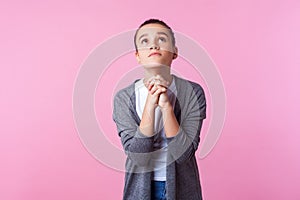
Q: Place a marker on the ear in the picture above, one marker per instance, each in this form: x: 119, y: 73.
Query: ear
x: 137, y: 56
x: 175, y: 54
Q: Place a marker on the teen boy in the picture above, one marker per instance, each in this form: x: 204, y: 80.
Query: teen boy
x: 159, y: 119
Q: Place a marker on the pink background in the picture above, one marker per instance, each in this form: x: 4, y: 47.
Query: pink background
x: 255, y: 45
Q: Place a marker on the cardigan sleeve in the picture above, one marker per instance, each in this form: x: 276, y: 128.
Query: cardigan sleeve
x: 185, y: 143
x: 136, y: 145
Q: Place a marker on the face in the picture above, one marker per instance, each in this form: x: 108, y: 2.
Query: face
x: 154, y: 45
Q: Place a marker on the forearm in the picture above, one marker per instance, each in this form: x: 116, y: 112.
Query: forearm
x: 147, y: 121
x: 171, y: 125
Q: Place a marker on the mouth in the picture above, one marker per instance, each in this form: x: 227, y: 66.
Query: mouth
x: 154, y: 54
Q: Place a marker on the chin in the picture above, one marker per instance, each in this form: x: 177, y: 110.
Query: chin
x: 155, y: 65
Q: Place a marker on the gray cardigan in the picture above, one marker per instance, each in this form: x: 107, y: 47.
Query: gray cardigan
x: 183, y: 182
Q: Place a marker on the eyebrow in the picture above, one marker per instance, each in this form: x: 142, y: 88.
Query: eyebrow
x: 163, y: 33
x: 159, y: 33
x: 143, y: 35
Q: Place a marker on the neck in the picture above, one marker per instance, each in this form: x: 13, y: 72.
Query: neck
x: 163, y: 71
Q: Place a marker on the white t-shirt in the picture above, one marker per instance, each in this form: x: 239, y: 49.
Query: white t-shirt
x: 141, y: 93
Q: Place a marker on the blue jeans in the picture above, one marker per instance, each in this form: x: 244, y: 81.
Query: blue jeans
x: 158, y: 190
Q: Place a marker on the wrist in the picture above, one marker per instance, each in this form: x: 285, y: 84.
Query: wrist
x: 167, y: 107
x: 149, y: 107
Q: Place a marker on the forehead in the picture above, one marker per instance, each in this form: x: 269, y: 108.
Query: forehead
x: 153, y: 29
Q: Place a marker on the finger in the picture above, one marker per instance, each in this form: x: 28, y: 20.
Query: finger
x: 161, y: 81
x: 150, y: 81
x: 153, y: 89
x: 157, y: 87
x: 159, y: 91
x: 150, y: 86
x: 162, y: 88
x: 162, y: 85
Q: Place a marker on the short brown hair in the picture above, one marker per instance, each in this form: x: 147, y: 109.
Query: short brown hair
x: 154, y: 21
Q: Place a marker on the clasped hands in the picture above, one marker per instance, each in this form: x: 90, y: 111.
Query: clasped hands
x: 157, y: 92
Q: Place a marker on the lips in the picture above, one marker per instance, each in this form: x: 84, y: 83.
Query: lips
x: 154, y: 54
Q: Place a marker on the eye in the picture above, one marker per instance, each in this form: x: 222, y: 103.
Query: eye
x: 144, y: 41
x: 162, y: 39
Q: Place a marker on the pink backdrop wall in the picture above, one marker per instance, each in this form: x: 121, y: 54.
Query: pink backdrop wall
x: 255, y: 45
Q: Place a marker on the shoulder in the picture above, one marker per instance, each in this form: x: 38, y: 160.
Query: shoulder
x: 124, y: 103
x: 188, y: 86
x: 191, y: 93
x: 126, y: 92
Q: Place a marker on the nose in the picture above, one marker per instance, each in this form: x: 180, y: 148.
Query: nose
x: 154, y: 46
